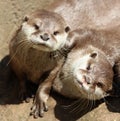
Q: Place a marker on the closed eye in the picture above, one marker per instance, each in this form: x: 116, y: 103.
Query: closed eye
x: 36, y: 26
x: 56, y: 33
x: 99, y: 84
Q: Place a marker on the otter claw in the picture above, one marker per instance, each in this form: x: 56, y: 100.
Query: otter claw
x: 38, y: 109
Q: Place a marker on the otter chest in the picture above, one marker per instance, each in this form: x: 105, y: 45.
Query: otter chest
x: 35, y: 63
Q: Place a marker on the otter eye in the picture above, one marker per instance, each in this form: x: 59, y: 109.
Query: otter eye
x: 93, y: 55
x: 99, y: 84
x: 36, y: 26
x: 67, y: 29
x: 56, y: 33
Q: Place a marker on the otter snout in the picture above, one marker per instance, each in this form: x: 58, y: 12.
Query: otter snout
x: 45, y: 37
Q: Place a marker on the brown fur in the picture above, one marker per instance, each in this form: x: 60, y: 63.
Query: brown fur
x: 96, y: 14
x: 106, y: 43
x: 35, y: 55
x: 86, y: 13
x: 27, y: 61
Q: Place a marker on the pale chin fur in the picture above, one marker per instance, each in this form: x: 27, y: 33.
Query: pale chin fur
x: 90, y: 93
x: 43, y: 45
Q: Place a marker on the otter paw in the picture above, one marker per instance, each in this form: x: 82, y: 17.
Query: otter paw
x: 38, y: 109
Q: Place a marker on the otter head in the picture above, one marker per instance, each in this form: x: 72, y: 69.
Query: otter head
x: 92, y: 73
x: 45, y: 30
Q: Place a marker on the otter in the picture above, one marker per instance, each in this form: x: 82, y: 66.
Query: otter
x: 34, y: 50
x: 88, y: 70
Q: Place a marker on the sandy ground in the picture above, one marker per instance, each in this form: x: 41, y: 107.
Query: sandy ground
x: 11, y: 14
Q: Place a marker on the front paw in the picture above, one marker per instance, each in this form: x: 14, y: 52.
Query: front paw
x: 39, y: 107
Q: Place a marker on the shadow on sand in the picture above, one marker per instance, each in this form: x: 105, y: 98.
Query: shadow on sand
x: 9, y: 86
x: 71, y: 110
x: 113, y: 103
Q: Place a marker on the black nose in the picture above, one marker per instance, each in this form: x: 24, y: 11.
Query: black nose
x: 45, y: 37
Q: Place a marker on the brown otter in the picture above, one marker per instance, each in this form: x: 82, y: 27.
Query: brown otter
x: 31, y: 50
x: 88, y: 70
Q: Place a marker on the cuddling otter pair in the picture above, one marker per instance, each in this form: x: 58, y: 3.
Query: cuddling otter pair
x: 80, y: 63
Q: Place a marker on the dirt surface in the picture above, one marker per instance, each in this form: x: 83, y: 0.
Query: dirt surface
x: 11, y: 14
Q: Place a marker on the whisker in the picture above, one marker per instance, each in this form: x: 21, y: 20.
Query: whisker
x: 89, y: 102
x: 13, y: 55
x: 82, y: 108
x: 21, y: 44
x: 71, y: 105
x: 12, y: 58
x: 77, y: 106
x: 92, y: 102
x: 89, y: 106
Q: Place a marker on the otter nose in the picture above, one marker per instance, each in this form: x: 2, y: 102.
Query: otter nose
x: 45, y: 37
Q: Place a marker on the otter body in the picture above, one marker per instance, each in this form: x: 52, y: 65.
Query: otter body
x: 29, y: 61
x: 88, y: 70
x: 41, y: 35
x: 88, y: 13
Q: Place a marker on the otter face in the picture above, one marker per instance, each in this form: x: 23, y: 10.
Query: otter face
x: 92, y: 74
x: 45, y: 30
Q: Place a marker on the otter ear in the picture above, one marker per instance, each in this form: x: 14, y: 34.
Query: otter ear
x: 93, y: 55
x: 67, y: 29
x: 26, y: 18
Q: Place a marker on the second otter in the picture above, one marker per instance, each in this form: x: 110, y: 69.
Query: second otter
x: 88, y: 70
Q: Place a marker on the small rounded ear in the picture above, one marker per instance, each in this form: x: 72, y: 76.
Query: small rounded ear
x: 26, y: 18
x: 67, y: 29
x: 93, y: 55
